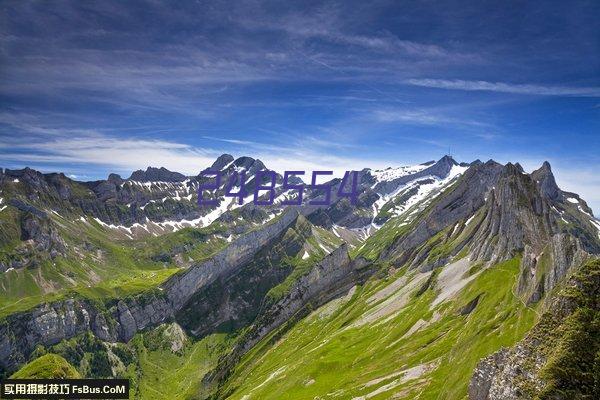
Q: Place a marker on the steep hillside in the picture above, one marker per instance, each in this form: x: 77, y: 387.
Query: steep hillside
x: 559, y: 358
x: 49, y: 366
x: 436, y: 267
x: 407, y: 334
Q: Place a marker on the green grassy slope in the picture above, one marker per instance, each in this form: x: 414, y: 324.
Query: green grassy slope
x: 100, y: 264
x: 362, y: 346
x: 161, y: 373
x: 49, y: 366
x: 161, y: 363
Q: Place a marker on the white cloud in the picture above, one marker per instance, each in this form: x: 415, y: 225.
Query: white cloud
x: 583, y: 181
x: 130, y: 153
x: 232, y: 141
x: 103, y: 150
x: 423, y: 117
x: 507, y: 87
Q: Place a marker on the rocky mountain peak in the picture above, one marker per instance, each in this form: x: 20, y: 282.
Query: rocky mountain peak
x: 221, y: 162
x: 115, y: 178
x: 545, y: 179
x: 512, y: 169
x: 249, y: 164
x: 32, y: 178
x: 442, y: 167
x: 448, y: 159
x: 153, y: 174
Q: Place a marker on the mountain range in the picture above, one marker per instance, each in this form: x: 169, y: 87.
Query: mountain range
x: 444, y: 280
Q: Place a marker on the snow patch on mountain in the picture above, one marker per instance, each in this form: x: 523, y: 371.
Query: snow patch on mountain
x: 391, y: 173
x: 427, y: 188
x: 467, y: 222
x: 596, y: 224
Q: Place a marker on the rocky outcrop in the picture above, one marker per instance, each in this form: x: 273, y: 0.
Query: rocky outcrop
x: 545, y: 179
x: 40, y: 238
x: 41, y: 233
x: 521, y: 217
x: 46, y: 325
x: 457, y: 203
x: 221, y: 162
x: 180, y: 288
x: 515, y: 215
x: 51, y: 323
x: 233, y: 301
x: 510, y: 214
x: 326, y: 280
x: 558, y: 358
x: 152, y: 174
x: 441, y: 168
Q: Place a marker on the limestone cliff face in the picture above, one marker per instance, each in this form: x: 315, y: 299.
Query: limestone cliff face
x: 326, y: 280
x: 559, y: 358
x: 457, y: 203
x: 47, y: 325
x: 523, y: 215
x: 50, y: 323
x: 515, y: 215
x: 233, y: 301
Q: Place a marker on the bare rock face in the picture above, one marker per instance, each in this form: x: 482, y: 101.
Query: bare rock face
x: 221, y: 162
x: 50, y: 323
x: 152, y: 174
x: 521, y: 218
x: 544, y: 177
x: 516, y: 215
x: 234, y: 300
x: 495, y: 376
x: 458, y: 203
x: 328, y: 279
x: 558, y: 358
x: 41, y: 232
x: 40, y: 238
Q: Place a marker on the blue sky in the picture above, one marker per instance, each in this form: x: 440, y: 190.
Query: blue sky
x: 93, y: 88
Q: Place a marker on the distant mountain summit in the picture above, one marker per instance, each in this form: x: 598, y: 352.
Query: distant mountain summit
x: 430, y: 277
x: 152, y: 174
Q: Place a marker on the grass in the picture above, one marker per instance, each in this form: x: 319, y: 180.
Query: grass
x: 100, y: 265
x: 156, y: 370
x: 322, y: 355
x: 49, y: 366
x: 163, y: 374
x: 571, y: 346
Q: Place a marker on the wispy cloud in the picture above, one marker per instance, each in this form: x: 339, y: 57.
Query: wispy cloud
x: 228, y: 140
x: 114, y: 65
x: 99, y: 149
x: 423, y: 117
x: 65, y: 148
x: 507, y: 87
